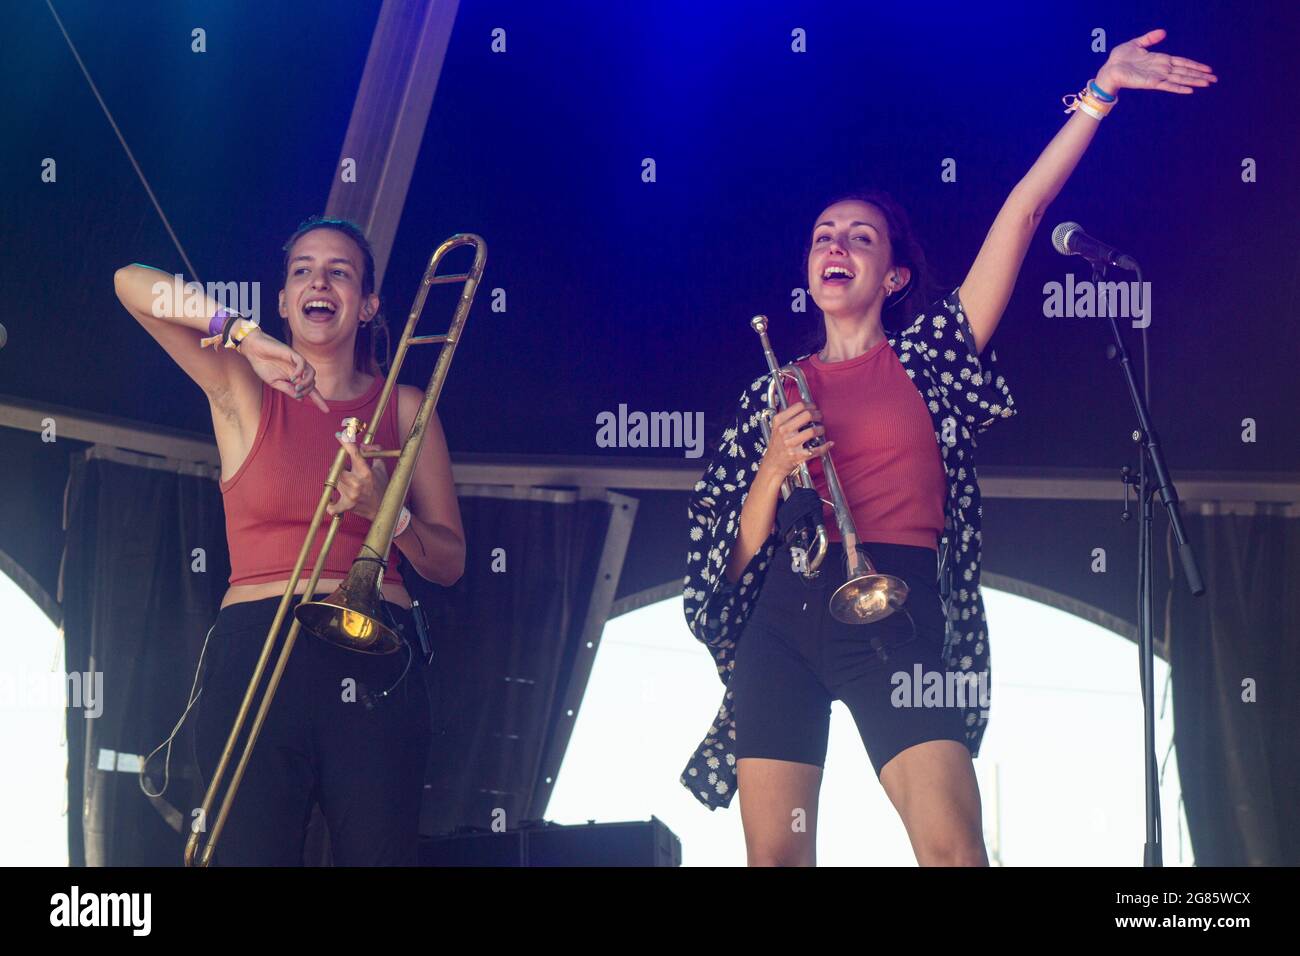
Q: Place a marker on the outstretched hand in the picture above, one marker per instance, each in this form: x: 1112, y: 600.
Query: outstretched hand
x: 1132, y: 66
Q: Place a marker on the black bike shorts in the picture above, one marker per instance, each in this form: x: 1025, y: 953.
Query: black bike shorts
x: 793, y: 659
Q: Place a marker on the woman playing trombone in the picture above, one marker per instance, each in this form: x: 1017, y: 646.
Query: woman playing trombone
x: 346, y: 730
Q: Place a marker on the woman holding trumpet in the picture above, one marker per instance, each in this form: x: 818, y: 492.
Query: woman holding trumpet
x: 900, y: 413
x: 347, y: 730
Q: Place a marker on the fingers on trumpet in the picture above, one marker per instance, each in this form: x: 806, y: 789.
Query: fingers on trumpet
x: 797, y: 414
x: 793, y: 430
x: 799, y: 424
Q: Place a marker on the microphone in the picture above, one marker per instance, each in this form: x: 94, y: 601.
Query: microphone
x: 1069, y: 239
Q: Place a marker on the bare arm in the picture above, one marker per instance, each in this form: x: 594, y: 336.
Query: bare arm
x: 791, y: 429
x: 987, y: 288
x: 434, y: 541
x: 148, y: 294
x: 435, y: 551
x: 179, y: 322
x: 757, y: 518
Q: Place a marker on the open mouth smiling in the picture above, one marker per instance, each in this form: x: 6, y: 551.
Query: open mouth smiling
x: 319, y: 310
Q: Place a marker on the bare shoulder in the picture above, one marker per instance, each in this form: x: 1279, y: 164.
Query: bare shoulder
x: 434, y: 456
x: 408, y: 406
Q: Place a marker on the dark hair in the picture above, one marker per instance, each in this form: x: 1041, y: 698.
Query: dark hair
x: 365, y: 353
x: 906, y: 250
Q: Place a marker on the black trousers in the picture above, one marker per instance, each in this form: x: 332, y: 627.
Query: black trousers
x: 331, y: 737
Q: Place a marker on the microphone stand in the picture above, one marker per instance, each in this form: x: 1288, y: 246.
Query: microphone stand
x: 1145, y: 434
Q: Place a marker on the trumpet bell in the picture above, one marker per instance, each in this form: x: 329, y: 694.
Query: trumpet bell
x: 868, y: 598
x: 346, y: 621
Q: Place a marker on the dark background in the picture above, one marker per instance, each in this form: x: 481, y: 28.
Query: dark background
x: 621, y: 291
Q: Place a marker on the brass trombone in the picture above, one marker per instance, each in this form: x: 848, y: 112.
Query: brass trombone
x: 867, y: 595
x: 351, y: 617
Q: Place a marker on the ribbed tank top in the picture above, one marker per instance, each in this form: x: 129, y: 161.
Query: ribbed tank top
x: 270, y: 500
x: 885, y: 453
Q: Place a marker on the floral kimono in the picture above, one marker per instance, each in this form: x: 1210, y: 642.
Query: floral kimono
x: 965, y: 394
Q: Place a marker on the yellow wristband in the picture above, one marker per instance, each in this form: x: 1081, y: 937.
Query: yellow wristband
x: 242, y: 330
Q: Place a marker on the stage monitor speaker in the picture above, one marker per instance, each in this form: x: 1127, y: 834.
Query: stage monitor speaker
x: 552, y: 844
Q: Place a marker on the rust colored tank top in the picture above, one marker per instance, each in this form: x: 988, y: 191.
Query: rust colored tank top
x: 270, y: 499
x: 886, y: 454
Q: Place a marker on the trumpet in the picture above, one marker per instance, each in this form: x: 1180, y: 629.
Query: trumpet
x: 867, y: 595
x: 352, y: 616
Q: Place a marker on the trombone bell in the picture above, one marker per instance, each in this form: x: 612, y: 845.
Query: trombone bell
x: 350, y: 618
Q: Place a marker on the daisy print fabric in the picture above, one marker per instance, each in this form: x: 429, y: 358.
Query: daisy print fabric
x: 964, y: 394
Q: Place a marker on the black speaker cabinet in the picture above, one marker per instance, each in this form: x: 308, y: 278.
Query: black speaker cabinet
x: 552, y: 844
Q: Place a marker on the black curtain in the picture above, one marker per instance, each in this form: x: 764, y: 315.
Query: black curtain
x: 31, y: 512
x: 511, y: 650
x: 144, y: 568
x: 1238, y: 757
x: 510, y: 643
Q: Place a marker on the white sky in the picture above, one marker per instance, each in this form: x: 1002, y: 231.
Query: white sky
x: 34, y: 795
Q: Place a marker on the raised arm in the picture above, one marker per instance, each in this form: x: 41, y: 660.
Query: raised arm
x: 141, y: 289
x: 179, y: 324
x: 987, y: 287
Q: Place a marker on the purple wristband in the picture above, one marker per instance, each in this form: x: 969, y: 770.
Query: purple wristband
x: 218, y: 321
